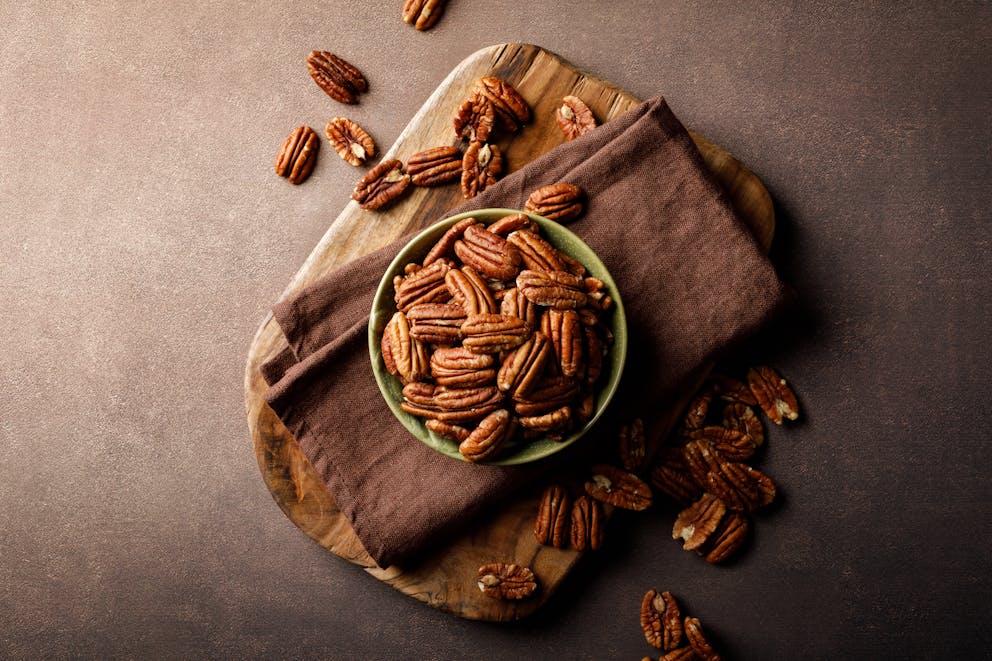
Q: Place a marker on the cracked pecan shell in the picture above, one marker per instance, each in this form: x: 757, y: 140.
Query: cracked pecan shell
x: 522, y: 367
x: 661, y: 620
x: 422, y: 14
x: 698, y: 642
x: 561, y: 203
x: 553, y: 516
x: 618, y: 488
x: 511, y: 110
x: 426, y: 285
x: 696, y: 523
x: 482, y: 166
x: 433, y: 167
x: 564, y: 330
x: 350, y: 141
x: 489, y: 254
x: 298, y: 155
x: 632, y: 447
x: 773, y: 394
x: 500, y: 580
x: 743, y: 418
x: 486, y: 440
x: 470, y: 291
x: 588, y: 524
x: 508, y: 224
x: 474, y: 118
x: 536, y: 253
x: 727, y: 539
x: 446, y: 244
x: 558, y: 289
x: 381, y: 185
x: 493, y: 333
x: 574, y: 118
x: 337, y: 77
x: 436, y: 323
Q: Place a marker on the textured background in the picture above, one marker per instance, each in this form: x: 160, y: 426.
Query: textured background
x: 144, y: 236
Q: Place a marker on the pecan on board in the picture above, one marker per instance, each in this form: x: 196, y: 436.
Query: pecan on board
x: 561, y: 203
x: 661, y: 620
x: 298, y: 155
x: 511, y: 110
x: 588, y: 524
x: 422, y: 14
x: 474, y: 118
x: 618, y: 488
x: 481, y: 167
x: 337, y: 77
x: 350, y: 141
x: 574, y: 118
x: 773, y: 394
x: 433, y: 167
x: 381, y: 185
x: 553, y: 516
x: 501, y: 580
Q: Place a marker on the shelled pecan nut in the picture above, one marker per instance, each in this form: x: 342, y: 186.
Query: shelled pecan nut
x: 586, y: 406
x: 522, y: 367
x: 500, y: 580
x: 515, y: 304
x: 508, y: 224
x: 616, y: 487
x: 565, y: 332
x: 588, y: 524
x: 536, y: 253
x: 511, y: 110
x: 447, y: 430
x: 773, y: 394
x: 474, y: 118
x: 337, y: 77
x: 561, y: 203
x: 698, y: 407
x: 436, y: 323
x: 469, y: 291
x: 574, y: 118
x: 730, y: 389
x: 424, y: 286
x: 696, y: 523
x: 554, y: 421
x: 457, y: 367
x: 350, y: 141
x: 486, y: 440
x: 698, y: 642
x: 553, y: 516
x: 482, y: 165
x: 661, y: 620
x: 298, y: 155
x: 738, y: 485
x: 632, y: 448
x: 462, y: 399
x: 422, y: 14
x: 742, y: 418
x: 681, y: 654
x: 731, y: 444
x: 381, y: 185
x: 446, y: 244
x: 573, y: 265
x: 407, y: 357
x: 489, y: 254
x: 549, y: 394
x: 727, y: 539
x: 558, y: 289
x: 671, y: 476
x: 434, y: 167
x: 493, y: 333
x: 595, y: 351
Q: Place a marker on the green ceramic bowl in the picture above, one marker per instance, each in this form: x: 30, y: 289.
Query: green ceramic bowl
x: 383, y: 308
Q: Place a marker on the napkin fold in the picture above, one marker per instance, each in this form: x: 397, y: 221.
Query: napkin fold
x: 691, y: 276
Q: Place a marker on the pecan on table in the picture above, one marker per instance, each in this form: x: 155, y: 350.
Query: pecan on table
x: 511, y: 110
x: 698, y: 407
x: 698, y: 642
x: 446, y: 244
x: 334, y: 75
x: 588, y: 524
x: 742, y: 418
x: 681, y: 654
x: 522, y: 367
x: 574, y: 118
x: 469, y: 290
x: 561, y: 203
x: 426, y: 285
x: 696, y: 523
x: 738, y: 485
x: 731, y: 444
x: 436, y: 323
x: 500, y: 580
x: 515, y: 304
x: 489, y: 254
x: 558, y: 289
x: 671, y: 476
x: 298, y: 155
x: 481, y: 167
x: 486, y: 440
x: 632, y: 445
x: 457, y: 367
x: 433, y: 167
x: 507, y: 224
x: 773, y: 394
x: 493, y: 333
x: 404, y: 356
x: 422, y: 14
x: 619, y: 488
x: 536, y: 253
x: 727, y: 539
x: 565, y: 332
x: 381, y: 185
x: 553, y: 516
x: 730, y: 389
x: 661, y: 620
x: 350, y: 141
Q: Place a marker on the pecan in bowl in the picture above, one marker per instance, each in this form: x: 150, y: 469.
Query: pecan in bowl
x: 485, y: 359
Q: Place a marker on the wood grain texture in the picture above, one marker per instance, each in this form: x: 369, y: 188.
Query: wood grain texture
x: 445, y: 578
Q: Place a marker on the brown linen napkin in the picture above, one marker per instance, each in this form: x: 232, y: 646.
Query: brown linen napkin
x: 690, y: 274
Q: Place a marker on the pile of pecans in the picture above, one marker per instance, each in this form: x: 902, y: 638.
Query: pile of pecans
x: 665, y: 629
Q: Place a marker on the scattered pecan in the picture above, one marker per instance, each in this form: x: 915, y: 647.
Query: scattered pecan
x: 447, y: 430
x: 661, y: 620
x: 488, y: 253
x: 298, y: 155
x: 493, y: 333
x: 773, y: 394
x: 616, y: 487
x: 696, y: 412
x: 553, y: 515
x: 474, y: 118
x: 742, y: 418
x: 730, y: 389
x: 446, y: 244
x: 731, y: 444
x: 536, y: 253
x: 681, y: 654
x: 727, y: 539
x: 515, y: 304
x: 632, y: 448
x: 481, y: 167
x: 434, y: 167
x: 422, y: 14
x: 574, y: 118
x: 561, y: 203
x: 407, y: 357
x: 558, y: 420
x: 500, y: 580
x: 558, y: 289
x: 698, y: 642
x: 350, y: 140
x: 334, y: 75
x: 457, y: 367
x: 671, y: 476
x: 511, y: 110
x: 565, y: 332
x: 738, y: 485
x: 522, y: 367
x: 470, y: 291
x: 507, y: 224
x: 488, y: 438
x: 381, y: 185
x: 696, y: 523
x: 588, y: 524
x: 436, y: 323
x: 424, y: 286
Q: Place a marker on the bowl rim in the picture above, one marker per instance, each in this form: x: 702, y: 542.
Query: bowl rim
x: 531, y: 451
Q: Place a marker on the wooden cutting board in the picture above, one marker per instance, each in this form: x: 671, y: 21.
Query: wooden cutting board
x: 445, y: 578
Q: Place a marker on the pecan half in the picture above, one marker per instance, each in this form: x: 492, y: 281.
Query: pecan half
x: 549, y: 394
x: 558, y: 289
x: 698, y: 642
x: 696, y: 523
x: 773, y: 394
x: 350, y: 140
x: 500, y: 580
x: 731, y: 444
x: 515, y: 304
x: 730, y: 389
x: 595, y: 351
x: 681, y: 654
x: 424, y: 286
x: 474, y: 118
x: 588, y: 524
x: 298, y: 155
x: 555, y: 421
x: 447, y: 430
x: 488, y: 438
x: 671, y: 476
x: 536, y: 253
x: 488, y: 253
x: 481, y: 167
x: 434, y: 167
x: 553, y: 515
x: 510, y: 108
x: 574, y: 118
x: 381, y: 185
x: 738, y: 485
x: 457, y: 367
x: 334, y: 75
x: 586, y: 406
x: 446, y: 244
x: 661, y: 620
x: 696, y: 412
x: 742, y: 418
x: 493, y: 333
x: 507, y: 224
x: 407, y: 355
x: 632, y: 448
x: 616, y: 487
x: 573, y: 265
x: 436, y: 323
x: 565, y: 331
x: 470, y: 291
x: 522, y: 367
x: 422, y: 14
x: 561, y: 203
x: 727, y: 539
x: 462, y: 399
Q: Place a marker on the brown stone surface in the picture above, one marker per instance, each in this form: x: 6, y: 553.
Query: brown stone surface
x: 145, y: 235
